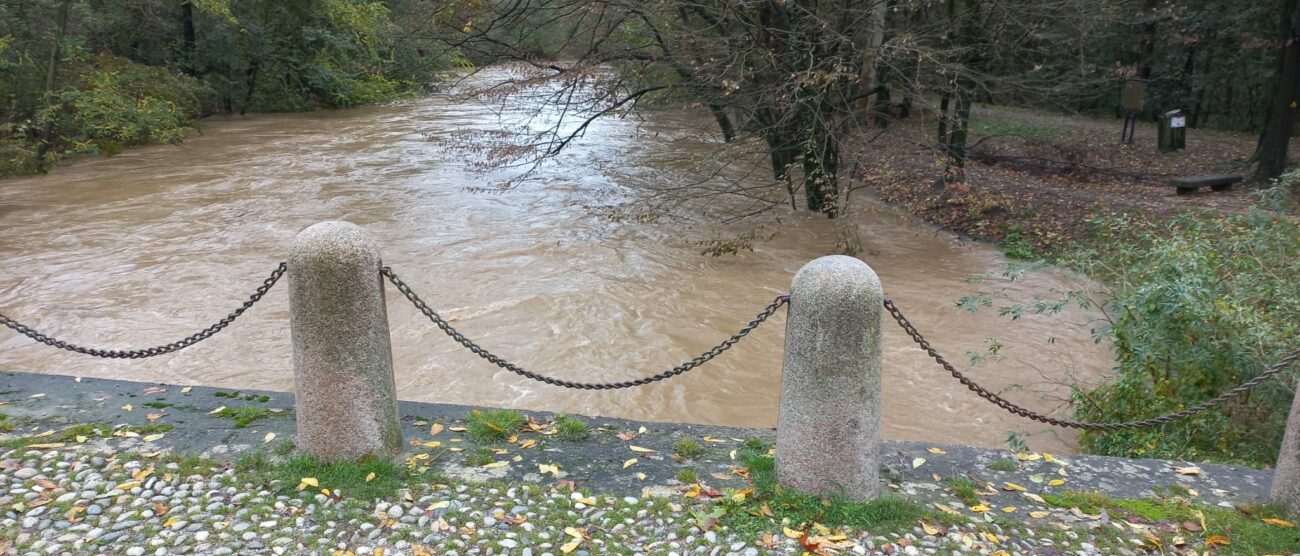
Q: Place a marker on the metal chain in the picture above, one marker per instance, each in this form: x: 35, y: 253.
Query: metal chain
x: 498, y: 361
x: 150, y: 352
x: 1126, y: 425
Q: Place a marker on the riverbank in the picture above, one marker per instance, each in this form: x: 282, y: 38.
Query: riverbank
x: 173, y: 469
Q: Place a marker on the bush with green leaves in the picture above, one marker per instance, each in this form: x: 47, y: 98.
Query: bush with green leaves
x: 1197, y: 306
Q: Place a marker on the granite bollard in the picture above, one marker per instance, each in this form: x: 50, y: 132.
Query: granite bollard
x: 1286, y: 474
x: 346, y: 401
x: 828, y: 426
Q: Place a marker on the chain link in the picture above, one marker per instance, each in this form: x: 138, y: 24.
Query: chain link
x: 153, y: 351
x: 498, y: 361
x: 1126, y: 425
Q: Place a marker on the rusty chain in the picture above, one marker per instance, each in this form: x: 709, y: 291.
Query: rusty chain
x: 1125, y: 425
x: 159, y: 350
x: 498, y: 361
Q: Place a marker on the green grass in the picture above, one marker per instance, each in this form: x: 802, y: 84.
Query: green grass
x: 788, y: 507
x: 964, y: 489
x: 244, y: 416
x: 493, y: 425
x: 479, y: 457
x: 1244, y: 527
x: 688, y: 448
x: 1003, y: 127
x: 687, y: 476
x: 5, y: 424
x: 253, y: 461
x: 347, y: 478
x: 157, y: 405
x: 283, y: 448
x: 569, y: 428
x: 147, y: 429
x: 1003, y: 465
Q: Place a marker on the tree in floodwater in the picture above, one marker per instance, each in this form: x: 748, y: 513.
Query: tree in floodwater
x: 799, y: 77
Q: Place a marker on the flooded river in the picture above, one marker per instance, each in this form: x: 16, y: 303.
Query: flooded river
x: 153, y: 244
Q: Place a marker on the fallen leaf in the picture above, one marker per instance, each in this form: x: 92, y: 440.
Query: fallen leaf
x: 435, y: 429
x: 937, y: 451
x: 269, y: 437
x: 629, y: 463
x: 545, y: 468
x: 154, y: 437
x: 979, y: 508
x: 46, y: 446
x: 186, y: 389
x: 307, y: 482
x: 640, y: 449
x: 1012, y: 487
x: 1191, y: 470
x: 217, y: 410
x: 457, y: 429
x: 370, y: 476
x: 626, y: 436
x: 1191, y: 526
x: 714, y: 440
x: 127, y: 407
x: 527, y: 443
x: 640, y: 476
x: 1277, y: 522
x: 945, y: 509
x: 1055, y: 482
x: 570, y: 546
x: 791, y: 533
x: 1039, y: 514
x: 929, y: 529
x: 917, y: 462
x: 153, y: 416
x: 1008, y: 509
x: 641, y: 430
x: 496, y: 464
x: 1216, y: 541
x: 81, y: 439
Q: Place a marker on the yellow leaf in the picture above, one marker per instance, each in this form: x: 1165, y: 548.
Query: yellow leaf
x: 733, y: 455
x: 456, y: 449
x: 575, y: 532
x: 142, y: 473
x: 640, y: 449
x: 545, y: 468
x: 1039, y: 515
x: 127, y: 485
x: 528, y: 443
x: 641, y: 430
x: 570, y: 546
x: 929, y: 529
x: 370, y: 476
x: 517, y: 458
x: 1216, y: 541
x: 1028, y: 456
x: 307, y: 482
x: 946, y: 509
x: 979, y: 508
x: 217, y: 410
x: 1008, y: 509
x: 45, y: 446
x: 186, y: 389
x: 1191, y: 470
x: 989, y: 537
x: 791, y: 533
x: 1055, y: 482
x: 431, y: 444
x: 435, y: 429
x: 715, y: 440
x: 640, y: 476
x: 81, y: 439
x: 269, y: 437
x: 127, y: 407
x: 1012, y: 487
x: 917, y: 462
x: 629, y: 463
x: 325, y: 491
x: 937, y: 452
x: 1048, y: 457
x: 44, y: 434
x: 741, y: 495
x: 496, y: 464
x: 1278, y: 522
x: 457, y: 429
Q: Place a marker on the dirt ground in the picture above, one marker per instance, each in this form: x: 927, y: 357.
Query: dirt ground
x: 1041, y: 176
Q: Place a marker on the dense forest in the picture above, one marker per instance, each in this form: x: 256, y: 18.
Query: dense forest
x: 92, y: 76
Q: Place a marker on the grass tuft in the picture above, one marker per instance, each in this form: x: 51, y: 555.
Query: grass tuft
x: 346, y: 478
x: 479, y: 457
x: 569, y: 428
x: 687, y: 476
x: 493, y: 425
x: 244, y: 416
x: 964, y: 489
x: 1003, y: 465
x: 688, y: 448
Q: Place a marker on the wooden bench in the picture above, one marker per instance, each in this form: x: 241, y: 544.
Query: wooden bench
x: 1189, y: 184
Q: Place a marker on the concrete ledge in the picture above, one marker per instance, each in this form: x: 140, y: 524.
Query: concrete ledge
x: 36, y: 403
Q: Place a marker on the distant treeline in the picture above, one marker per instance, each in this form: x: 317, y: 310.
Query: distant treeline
x: 98, y: 75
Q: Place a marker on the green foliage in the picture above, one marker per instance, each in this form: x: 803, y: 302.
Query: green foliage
x: 1244, y: 528
x: 244, y: 416
x: 964, y: 489
x: 5, y: 424
x: 687, y: 448
x: 1015, y: 245
x: 1004, y: 465
x: 118, y: 103
x: 493, y: 425
x: 1199, y: 305
x: 347, y: 478
x: 687, y: 476
x: 570, y: 428
x: 788, y: 507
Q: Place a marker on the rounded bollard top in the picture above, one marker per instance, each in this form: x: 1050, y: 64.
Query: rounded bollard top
x: 836, y: 272
x: 335, y: 240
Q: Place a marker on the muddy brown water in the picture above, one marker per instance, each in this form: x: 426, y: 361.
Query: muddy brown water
x: 150, y: 245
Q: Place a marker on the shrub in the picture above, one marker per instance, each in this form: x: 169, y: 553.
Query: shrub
x: 1198, y: 306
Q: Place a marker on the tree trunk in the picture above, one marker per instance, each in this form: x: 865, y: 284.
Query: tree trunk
x: 869, y: 78
x: 252, y: 84
x: 957, y: 141
x: 187, y: 38
x: 1148, y: 39
x: 52, y: 78
x: 1277, y: 128
x: 943, y: 120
